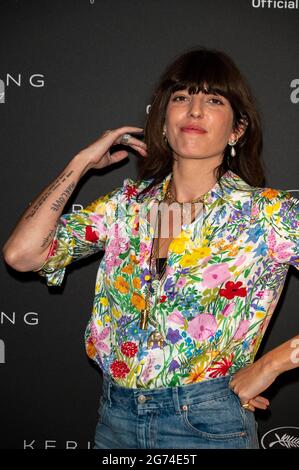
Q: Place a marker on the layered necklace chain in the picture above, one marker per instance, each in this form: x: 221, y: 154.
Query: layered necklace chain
x: 158, y: 270
x: 170, y: 198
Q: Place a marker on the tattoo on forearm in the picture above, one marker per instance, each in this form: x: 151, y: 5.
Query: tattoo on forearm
x: 60, y: 202
x: 58, y: 182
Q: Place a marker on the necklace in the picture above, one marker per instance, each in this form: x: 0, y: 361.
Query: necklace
x: 156, y: 275
x: 170, y: 198
x: 155, y: 337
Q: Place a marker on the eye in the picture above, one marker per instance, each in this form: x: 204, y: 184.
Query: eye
x: 179, y: 98
x: 217, y: 100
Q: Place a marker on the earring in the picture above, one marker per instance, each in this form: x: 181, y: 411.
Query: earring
x: 164, y: 135
x: 232, y: 150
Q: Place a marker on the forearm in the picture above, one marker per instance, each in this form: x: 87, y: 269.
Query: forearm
x: 284, y: 357
x: 36, y: 227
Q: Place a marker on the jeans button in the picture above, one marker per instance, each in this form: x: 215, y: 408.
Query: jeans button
x: 141, y: 399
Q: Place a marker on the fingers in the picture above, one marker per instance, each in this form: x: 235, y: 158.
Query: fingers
x: 116, y: 134
x: 120, y: 131
x: 118, y: 156
x: 250, y: 407
x: 136, y: 144
x: 139, y: 149
x: 262, y: 400
x: 259, y: 402
x: 125, y: 129
x: 132, y: 141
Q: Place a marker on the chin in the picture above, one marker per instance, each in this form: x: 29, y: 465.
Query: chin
x: 191, y: 154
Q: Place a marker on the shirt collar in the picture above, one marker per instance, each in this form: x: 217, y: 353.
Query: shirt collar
x: 233, y: 190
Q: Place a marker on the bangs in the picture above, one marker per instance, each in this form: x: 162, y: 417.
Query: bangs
x: 206, y: 74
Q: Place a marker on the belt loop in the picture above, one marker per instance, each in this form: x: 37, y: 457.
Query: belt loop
x: 176, y: 400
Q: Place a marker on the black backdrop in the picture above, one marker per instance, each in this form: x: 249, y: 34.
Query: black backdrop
x: 70, y: 69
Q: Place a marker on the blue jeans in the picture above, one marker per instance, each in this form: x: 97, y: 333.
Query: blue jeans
x: 203, y: 415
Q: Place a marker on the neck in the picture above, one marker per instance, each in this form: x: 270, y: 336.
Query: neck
x: 192, y: 179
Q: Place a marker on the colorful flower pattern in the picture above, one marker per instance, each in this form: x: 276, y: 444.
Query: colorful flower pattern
x: 225, y: 274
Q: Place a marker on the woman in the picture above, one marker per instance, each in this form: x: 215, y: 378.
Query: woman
x: 196, y: 254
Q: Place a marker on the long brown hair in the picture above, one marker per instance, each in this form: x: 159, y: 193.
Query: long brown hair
x: 209, y: 71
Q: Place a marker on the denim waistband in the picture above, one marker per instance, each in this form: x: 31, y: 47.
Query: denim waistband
x: 155, y: 398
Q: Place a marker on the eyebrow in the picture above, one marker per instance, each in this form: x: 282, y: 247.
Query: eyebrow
x: 208, y: 93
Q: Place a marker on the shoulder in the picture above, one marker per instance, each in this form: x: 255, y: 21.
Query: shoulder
x: 269, y: 196
x: 277, y: 207
x: 260, y: 195
x: 131, y: 189
x: 120, y: 199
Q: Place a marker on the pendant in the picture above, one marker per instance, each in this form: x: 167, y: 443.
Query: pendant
x: 144, y: 319
x: 155, y: 338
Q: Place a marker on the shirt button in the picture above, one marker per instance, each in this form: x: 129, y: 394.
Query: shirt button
x: 141, y: 399
x: 185, y: 407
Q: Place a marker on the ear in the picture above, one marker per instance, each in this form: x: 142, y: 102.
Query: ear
x: 239, y: 131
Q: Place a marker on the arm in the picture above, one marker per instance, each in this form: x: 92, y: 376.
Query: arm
x: 282, y: 213
x: 28, y: 245
x: 254, y: 379
x: 282, y: 358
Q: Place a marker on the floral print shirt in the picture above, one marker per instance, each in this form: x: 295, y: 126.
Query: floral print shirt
x: 224, y: 276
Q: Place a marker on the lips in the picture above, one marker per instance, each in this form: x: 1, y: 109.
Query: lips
x: 193, y: 129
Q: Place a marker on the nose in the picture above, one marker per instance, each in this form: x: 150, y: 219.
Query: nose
x: 196, y: 106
